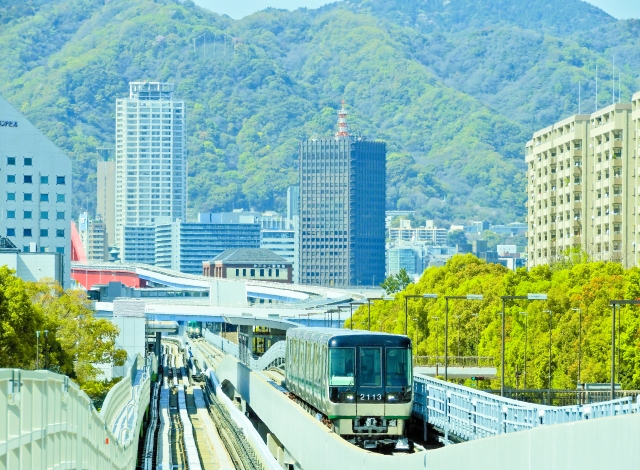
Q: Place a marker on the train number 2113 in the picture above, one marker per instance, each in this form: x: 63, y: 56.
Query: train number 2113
x: 364, y: 397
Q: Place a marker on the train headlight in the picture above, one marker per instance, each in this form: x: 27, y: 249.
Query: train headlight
x: 393, y: 397
x: 348, y: 397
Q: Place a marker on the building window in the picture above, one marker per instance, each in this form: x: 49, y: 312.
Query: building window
x: 60, y: 233
x: 60, y: 180
x: 277, y: 273
x: 44, y: 215
x: 44, y: 197
x: 11, y: 214
x: 44, y: 180
x: 11, y: 178
x: 262, y: 273
x: 253, y: 273
x: 59, y: 197
x: 60, y: 249
x: 60, y: 215
x: 244, y: 273
x: 11, y: 160
x: 237, y: 273
x: 44, y: 232
x: 270, y: 273
x: 26, y: 232
x: 11, y: 232
x: 28, y: 161
x: 28, y: 215
x: 28, y: 179
x: 11, y: 196
x: 28, y: 197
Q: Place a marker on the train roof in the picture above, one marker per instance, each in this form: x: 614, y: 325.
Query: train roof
x: 339, y: 336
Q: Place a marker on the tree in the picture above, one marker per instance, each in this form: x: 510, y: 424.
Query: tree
x: 396, y: 282
x: 80, y: 341
x: 19, y: 321
x: 457, y: 237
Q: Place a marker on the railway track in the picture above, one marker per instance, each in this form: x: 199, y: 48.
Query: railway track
x: 240, y: 451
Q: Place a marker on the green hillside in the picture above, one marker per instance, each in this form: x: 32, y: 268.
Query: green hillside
x: 455, y: 89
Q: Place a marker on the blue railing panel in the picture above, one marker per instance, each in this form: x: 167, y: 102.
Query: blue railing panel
x: 464, y: 414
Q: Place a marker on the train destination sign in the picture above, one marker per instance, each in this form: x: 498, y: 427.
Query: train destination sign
x: 8, y: 123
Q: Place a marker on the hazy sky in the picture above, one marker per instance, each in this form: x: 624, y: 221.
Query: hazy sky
x: 239, y: 8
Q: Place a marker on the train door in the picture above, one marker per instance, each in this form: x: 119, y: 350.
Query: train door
x: 370, y: 391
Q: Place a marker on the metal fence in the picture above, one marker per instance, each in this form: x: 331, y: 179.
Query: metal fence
x: 454, y: 361
x: 463, y: 414
x: 564, y: 397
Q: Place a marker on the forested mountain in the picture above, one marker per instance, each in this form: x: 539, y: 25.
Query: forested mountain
x: 454, y: 87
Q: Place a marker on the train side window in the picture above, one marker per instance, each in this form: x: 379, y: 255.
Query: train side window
x: 342, y: 367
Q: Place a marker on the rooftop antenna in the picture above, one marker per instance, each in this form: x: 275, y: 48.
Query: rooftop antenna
x: 619, y: 86
x: 613, y: 81
x: 596, y: 87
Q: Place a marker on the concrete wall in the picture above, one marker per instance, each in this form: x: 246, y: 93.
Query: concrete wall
x: 34, y: 266
x: 594, y: 444
x: 47, y: 422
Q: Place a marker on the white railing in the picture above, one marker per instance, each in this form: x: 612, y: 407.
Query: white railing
x: 48, y: 412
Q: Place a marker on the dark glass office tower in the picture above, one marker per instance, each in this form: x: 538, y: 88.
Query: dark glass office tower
x: 342, y: 210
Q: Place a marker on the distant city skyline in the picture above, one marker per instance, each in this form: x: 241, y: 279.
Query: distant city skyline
x: 621, y: 9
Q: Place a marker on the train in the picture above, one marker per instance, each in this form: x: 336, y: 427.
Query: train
x: 358, y: 382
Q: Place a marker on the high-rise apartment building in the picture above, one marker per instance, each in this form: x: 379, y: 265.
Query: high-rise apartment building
x: 93, y: 234
x: 150, y: 160
x: 342, y: 210
x: 35, y: 189
x: 581, y: 183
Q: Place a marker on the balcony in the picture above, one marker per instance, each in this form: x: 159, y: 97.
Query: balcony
x: 577, y: 204
x: 576, y: 153
x: 576, y: 240
x: 617, y: 143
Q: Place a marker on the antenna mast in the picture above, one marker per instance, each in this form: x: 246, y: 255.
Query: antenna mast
x: 343, y: 128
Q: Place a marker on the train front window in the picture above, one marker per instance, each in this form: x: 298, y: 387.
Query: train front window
x: 398, y: 367
x: 342, y: 367
x: 370, y: 368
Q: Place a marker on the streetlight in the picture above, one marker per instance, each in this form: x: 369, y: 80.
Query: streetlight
x: 613, y: 304
x: 406, y: 301
x: 436, y: 320
x: 526, y: 328
x: 386, y: 298
x: 46, y: 352
x: 37, y: 350
x: 550, y: 326
x: 446, y: 325
x: 340, y: 307
x: 458, y: 323
x: 504, y: 300
x: 579, y: 310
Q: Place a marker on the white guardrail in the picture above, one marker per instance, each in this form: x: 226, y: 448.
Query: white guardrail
x: 46, y: 421
x: 466, y: 414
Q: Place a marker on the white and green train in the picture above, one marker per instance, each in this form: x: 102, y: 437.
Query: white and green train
x: 358, y: 380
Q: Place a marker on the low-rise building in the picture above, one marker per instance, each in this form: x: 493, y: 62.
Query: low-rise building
x: 247, y: 263
x: 429, y: 234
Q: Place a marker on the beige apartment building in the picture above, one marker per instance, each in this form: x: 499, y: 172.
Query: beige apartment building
x: 582, y: 184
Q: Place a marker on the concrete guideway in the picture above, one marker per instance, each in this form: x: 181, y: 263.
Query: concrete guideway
x: 546, y: 447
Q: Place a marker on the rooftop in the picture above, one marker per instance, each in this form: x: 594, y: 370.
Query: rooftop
x: 249, y: 255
